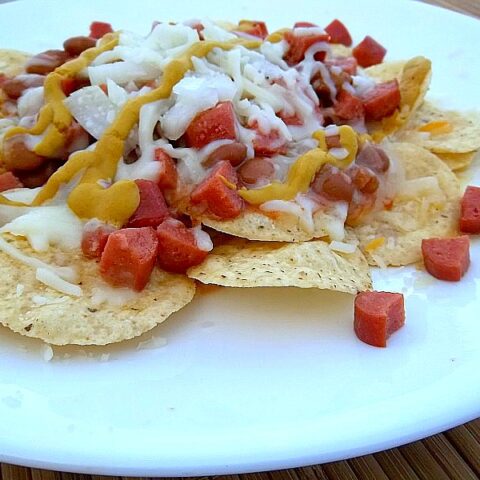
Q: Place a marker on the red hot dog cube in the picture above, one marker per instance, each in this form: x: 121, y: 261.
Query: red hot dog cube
x: 152, y: 209
x: 348, y: 106
x: 217, y: 123
x: 168, y: 174
x: 369, y: 52
x: 378, y: 315
x: 177, y: 247
x: 470, y: 210
x: 382, y: 100
x: 94, y: 239
x: 8, y: 181
x: 446, y: 258
x: 129, y: 257
x: 339, y: 33
x: 219, y: 198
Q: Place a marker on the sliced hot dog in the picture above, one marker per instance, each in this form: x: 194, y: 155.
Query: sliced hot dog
x: 299, y: 44
x: 99, y: 29
x: 470, y: 210
x: 217, y: 194
x: 270, y: 144
x: 348, y: 106
x: 217, y: 123
x: 339, y: 33
x: 8, y: 181
x: 152, y: 209
x: 347, y: 64
x: 168, y: 174
x: 94, y: 238
x: 382, y: 100
x: 446, y: 258
x: 378, y: 315
x: 253, y: 27
x: 177, y: 247
x: 369, y: 52
x: 129, y: 257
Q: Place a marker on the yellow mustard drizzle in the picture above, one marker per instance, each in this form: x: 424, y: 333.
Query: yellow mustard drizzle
x: 303, y: 171
x: 116, y: 204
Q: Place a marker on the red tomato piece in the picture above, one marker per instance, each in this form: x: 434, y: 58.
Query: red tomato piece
x: 268, y: 145
x: 152, y: 209
x: 339, y: 33
x: 129, y: 257
x: 446, y: 258
x: 470, y: 207
x: 217, y: 123
x: 8, y: 181
x: 177, y: 247
x: 378, y: 315
x: 253, y: 27
x: 347, y: 64
x: 298, y: 45
x: 220, y: 199
x: 304, y: 25
x: 382, y: 100
x: 99, y: 29
x: 369, y: 52
x: 168, y: 174
x: 348, y: 106
x: 94, y: 239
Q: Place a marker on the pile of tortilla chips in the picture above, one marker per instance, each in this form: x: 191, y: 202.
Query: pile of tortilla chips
x: 255, y: 250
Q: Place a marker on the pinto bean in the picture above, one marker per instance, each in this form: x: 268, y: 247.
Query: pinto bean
x: 364, y: 179
x: 234, y: 153
x: 14, y: 87
x: 256, y: 169
x: 16, y: 155
x: 74, y: 46
x: 46, y: 62
x: 374, y: 158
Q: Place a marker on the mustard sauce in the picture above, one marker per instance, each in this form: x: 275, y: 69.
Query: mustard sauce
x: 303, y: 171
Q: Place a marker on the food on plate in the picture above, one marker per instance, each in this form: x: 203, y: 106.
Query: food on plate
x: 446, y: 258
x: 470, y: 210
x: 134, y: 165
x: 377, y: 315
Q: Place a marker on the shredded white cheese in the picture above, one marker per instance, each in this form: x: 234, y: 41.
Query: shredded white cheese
x: 52, y: 280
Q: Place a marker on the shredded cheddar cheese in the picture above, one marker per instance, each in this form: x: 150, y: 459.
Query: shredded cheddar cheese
x: 436, y: 127
x: 374, y: 244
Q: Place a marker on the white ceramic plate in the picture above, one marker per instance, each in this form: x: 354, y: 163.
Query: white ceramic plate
x: 253, y: 379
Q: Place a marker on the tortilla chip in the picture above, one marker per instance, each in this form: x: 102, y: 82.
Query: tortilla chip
x: 66, y: 320
x: 282, y: 227
x: 386, y: 71
x: 241, y: 263
x: 410, y: 220
x: 12, y: 62
x: 414, y: 79
x: 464, y: 135
x: 457, y: 161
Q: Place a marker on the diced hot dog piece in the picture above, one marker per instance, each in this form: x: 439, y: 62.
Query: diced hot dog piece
x: 94, y: 238
x: 16, y: 155
x: 369, y: 52
x: 253, y: 27
x: 470, y: 207
x: 217, y: 123
x: 268, y: 145
x: 46, y: 62
x: 152, y: 209
x: 234, y: 153
x: 378, y: 315
x: 99, y: 29
x: 129, y: 257
x: 290, y: 119
x: 74, y: 46
x: 255, y: 170
x: 177, y: 247
x: 339, y: 33
x: 8, y: 181
x: 168, y: 174
x: 382, y: 100
x: 446, y: 258
x: 304, y: 25
x: 347, y: 64
x: 374, y: 158
x: 348, y: 106
x: 14, y: 87
x: 299, y: 44
x: 216, y: 192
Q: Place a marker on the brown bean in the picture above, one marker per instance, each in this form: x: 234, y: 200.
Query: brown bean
x: 234, y: 153
x: 338, y: 187
x: 16, y: 155
x: 374, y: 158
x: 39, y: 176
x: 14, y: 87
x: 74, y: 46
x: 333, y: 141
x: 46, y: 62
x: 256, y: 169
x: 364, y: 179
